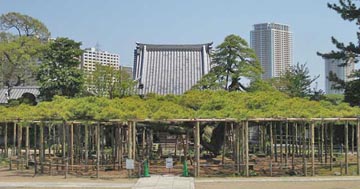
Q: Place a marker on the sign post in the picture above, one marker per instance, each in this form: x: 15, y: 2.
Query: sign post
x: 169, y: 163
x: 129, y: 165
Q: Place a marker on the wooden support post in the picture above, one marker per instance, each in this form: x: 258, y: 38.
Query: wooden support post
x: 326, y: 135
x: 6, y: 140
x: 130, y: 144
x: 304, y: 148
x: 322, y: 143
x: 42, y: 148
x: 293, y: 146
x: 246, y: 139
x: 296, y: 139
x: 281, y: 144
x: 312, y: 134
x: 63, y: 147
x: 352, y: 138
x: 271, y: 148
x: 331, y: 146
x: 286, y: 144
x: 35, y: 153
x: 27, y: 146
x: 134, y: 140
x: 275, y: 142
x: 13, y: 151
x: 346, y: 145
x: 120, y: 146
x: 19, y: 139
x: 357, y: 146
x: 224, y: 145
x: 97, y: 130
x: 197, y: 149
x: 72, y: 146
x: 86, y: 130
x: 238, y: 148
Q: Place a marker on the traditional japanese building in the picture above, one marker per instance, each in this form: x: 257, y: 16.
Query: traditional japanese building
x: 170, y: 69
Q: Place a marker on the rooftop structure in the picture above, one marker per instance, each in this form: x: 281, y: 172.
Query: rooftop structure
x: 17, y: 92
x: 170, y: 69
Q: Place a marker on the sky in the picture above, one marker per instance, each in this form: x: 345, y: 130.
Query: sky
x: 116, y: 25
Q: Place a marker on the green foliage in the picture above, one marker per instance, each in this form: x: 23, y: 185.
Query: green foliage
x: 193, y: 104
x: 59, y: 73
x: 24, y: 25
x: 232, y: 61
x: 107, y: 81
x: 21, y: 45
x: 350, y: 11
x: 296, y: 81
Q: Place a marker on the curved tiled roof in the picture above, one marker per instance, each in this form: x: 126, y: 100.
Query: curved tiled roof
x: 170, y: 69
x: 17, y: 91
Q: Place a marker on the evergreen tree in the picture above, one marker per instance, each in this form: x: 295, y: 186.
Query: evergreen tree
x: 59, y: 73
x: 22, y: 40
x: 232, y: 61
x: 349, y: 11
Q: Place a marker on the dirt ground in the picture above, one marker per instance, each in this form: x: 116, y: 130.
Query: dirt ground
x: 281, y: 185
x: 28, y: 176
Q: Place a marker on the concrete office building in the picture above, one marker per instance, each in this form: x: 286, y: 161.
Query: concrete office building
x: 272, y: 43
x: 342, y: 72
x: 170, y: 69
x: 91, y: 56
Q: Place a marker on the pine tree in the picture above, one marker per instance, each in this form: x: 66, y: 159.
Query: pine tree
x: 349, y: 11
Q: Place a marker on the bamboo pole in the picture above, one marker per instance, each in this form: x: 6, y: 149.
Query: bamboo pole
x: 312, y: 133
x: 247, y: 148
x: 346, y: 148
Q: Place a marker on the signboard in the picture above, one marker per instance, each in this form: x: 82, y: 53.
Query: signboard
x: 129, y: 164
x: 169, y: 163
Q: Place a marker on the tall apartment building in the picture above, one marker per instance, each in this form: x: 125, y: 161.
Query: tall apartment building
x: 342, y: 72
x: 91, y: 56
x: 272, y: 43
x: 170, y: 69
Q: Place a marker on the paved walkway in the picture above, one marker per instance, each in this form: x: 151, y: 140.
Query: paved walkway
x: 165, y: 182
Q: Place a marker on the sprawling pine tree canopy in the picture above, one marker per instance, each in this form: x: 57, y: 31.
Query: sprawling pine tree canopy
x: 194, y: 104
